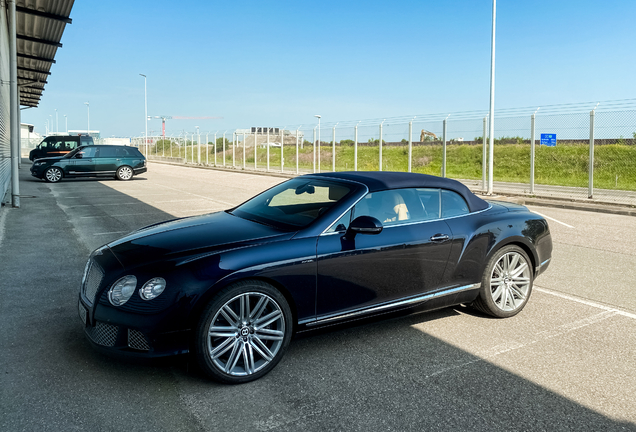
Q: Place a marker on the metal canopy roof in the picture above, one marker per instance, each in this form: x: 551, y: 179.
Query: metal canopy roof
x: 40, y: 25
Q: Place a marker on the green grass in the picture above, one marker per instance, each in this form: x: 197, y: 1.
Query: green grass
x: 564, y: 165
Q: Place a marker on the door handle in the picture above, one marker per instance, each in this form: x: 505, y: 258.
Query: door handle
x: 440, y: 237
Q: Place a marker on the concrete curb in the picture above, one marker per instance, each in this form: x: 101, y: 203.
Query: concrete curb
x: 543, y: 202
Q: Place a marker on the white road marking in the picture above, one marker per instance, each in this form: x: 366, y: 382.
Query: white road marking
x: 586, y: 302
x: 552, y: 219
x: 114, y: 232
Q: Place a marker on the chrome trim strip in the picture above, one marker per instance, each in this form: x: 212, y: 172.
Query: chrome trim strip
x: 545, y: 262
x: 343, y: 213
x: 396, y: 304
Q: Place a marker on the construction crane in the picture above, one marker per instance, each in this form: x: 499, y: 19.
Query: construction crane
x: 164, y: 118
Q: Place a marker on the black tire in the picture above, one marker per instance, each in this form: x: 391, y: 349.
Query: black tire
x: 504, y: 290
x: 249, y: 341
x: 53, y: 175
x: 125, y: 173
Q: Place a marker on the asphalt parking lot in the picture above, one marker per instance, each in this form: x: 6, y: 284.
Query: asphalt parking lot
x: 566, y: 363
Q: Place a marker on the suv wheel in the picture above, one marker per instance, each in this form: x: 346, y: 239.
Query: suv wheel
x: 53, y: 175
x: 124, y: 173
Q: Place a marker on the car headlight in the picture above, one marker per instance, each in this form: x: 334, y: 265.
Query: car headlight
x: 38, y: 163
x: 120, y: 292
x: 153, y: 288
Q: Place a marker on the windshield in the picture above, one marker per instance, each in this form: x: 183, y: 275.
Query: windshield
x: 72, y: 153
x: 293, y: 204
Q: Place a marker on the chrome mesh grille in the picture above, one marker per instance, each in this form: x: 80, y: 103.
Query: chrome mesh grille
x: 93, y: 280
x: 103, y: 334
x: 137, y: 340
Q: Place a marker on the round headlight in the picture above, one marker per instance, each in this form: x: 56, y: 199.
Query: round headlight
x: 152, y: 288
x: 121, y: 290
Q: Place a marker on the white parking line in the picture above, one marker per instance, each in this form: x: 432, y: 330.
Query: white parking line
x: 114, y: 232
x: 552, y: 219
x: 586, y: 302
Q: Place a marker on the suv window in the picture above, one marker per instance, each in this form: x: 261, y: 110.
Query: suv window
x: 108, y: 152
x: 87, y: 152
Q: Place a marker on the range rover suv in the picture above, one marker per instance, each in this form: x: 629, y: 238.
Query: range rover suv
x: 121, y: 162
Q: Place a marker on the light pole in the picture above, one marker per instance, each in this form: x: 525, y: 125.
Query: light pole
x: 88, y: 118
x: 198, y: 146
x: 66, y: 121
x: 57, y: 129
x: 491, y: 143
x: 145, y: 111
x: 318, y: 116
x: 50, y: 123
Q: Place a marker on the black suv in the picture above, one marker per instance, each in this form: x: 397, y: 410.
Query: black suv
x: 121, y: 162
x: 59, y: 145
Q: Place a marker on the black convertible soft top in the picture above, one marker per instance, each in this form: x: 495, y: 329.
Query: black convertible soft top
x: 383, y: 180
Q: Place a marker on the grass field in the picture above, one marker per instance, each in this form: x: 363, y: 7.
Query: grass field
x: 565, y: 165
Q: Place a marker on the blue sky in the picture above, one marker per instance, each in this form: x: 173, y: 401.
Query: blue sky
x: 277, y: 63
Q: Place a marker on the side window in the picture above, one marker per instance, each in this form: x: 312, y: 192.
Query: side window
x: 44, y: 144
x: 453, y: 204
x: 88, y: 152
x: 70, y: 145
x: 389, y: 207
x: 107, y: 152
x: 430, y: 199
x: 59, y: 144
x: 342, y: 224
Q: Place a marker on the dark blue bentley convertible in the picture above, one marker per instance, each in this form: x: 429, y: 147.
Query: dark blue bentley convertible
x: 320, y: 249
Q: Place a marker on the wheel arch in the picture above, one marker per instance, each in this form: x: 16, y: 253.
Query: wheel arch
x: 521, y: 244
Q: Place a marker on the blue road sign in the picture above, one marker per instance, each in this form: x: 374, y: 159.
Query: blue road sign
x: 548, y: 140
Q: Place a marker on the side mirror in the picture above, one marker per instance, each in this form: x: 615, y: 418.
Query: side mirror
x: 79, y: 156
x: 364, y: 225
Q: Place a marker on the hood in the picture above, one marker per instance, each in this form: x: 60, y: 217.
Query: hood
x: 192, y: 236
x: 49, y: 159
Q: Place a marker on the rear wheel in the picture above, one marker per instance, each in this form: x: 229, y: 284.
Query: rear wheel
x: 244, y: 332
x: 124, y: 173
x: 506, y: 284
x: 53, y: 175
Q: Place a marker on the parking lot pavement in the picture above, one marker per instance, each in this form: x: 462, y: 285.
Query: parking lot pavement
x: 565, y: 363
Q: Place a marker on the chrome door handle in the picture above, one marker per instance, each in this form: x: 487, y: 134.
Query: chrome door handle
x: 439, y: 237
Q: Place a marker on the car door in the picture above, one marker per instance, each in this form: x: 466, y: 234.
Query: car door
x: 406, y: 259
x: 106, y: 160
x: 83, y: 163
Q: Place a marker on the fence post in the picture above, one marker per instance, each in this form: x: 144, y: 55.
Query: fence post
x: 296, y: 151
x: 591, y: 174
x: 198, y: 148
x: 244, y: 154
x: 255, y: 148
x: 192, y: 148
x: 268, y: 148
x: 444, y: 150
x: 532, y: 138
x: 484, y: 157
x: 282, y: 144
x: 355, y: 150
x: 214, y: 148
x: 410, y: 143
x: 381, y: 144
x: 234, y: 141
x: 224, y: 148
x: 207, y: 148
x: 333, y: 150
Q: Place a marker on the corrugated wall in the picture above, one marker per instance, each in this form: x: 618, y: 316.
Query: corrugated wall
x: 5, y: 124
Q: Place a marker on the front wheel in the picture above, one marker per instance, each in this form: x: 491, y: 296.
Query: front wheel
x: 124, y: 173
x: 244, y: 332
x: 53, y: 175
x: 506, y: 284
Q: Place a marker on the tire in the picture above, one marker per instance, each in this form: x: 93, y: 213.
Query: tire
x: 243, y: 333
x: 506, y: 284
x: 53, y: 175
x: 125, y: 173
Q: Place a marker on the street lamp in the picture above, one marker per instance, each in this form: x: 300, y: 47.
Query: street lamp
x: 146, y: 111
x: 318, y: 116
x: 88, y: 118
x: 66, y: 120
x: 491, y: 143
x: 57, y: 129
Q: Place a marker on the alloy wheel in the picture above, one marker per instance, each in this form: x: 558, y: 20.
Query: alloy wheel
x: 53, y: 175
x: 245, y: 334
x: 510, y: 281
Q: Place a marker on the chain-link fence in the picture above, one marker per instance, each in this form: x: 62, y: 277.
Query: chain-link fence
x: 581, y: 155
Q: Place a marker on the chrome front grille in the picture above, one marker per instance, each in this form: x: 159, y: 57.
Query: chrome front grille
x: 93, y: 279
x: 137, y: 340
x: 82, y: 312
x: 103, y: 334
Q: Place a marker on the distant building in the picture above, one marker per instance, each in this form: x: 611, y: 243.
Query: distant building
x: 93, y: 133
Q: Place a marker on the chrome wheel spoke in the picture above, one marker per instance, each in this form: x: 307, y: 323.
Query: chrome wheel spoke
x: 234, y: 358
x: 267, y: 320
x: 223, y: 331
x: 222, y: 349
x: 230, y: 316
x: 259, y: 308
x: 266, y: 334
x: 259, y: 351
x: 510, y: 281
x: 517, y: 271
